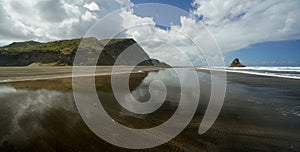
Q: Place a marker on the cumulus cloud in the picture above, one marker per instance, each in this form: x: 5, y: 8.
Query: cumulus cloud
x: 233, y: 24
x: 176, y: 45
x: 92, y: 6
x: 46, y: 20
x: 239, y: 23
x: 88, y: 16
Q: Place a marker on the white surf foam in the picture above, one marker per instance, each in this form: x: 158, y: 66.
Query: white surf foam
x: 5, y: 89
x: 281, y: 72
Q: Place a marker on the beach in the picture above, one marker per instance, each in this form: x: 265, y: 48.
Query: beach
x: 16, y: 74
x: 38, y: 112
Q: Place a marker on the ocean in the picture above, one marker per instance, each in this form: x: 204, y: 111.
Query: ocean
x: 284, y: 72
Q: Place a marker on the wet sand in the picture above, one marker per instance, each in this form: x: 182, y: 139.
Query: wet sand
x: 13, y: 74
x: 259, y: 114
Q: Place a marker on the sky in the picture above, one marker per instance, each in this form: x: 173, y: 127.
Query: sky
x: 260, y: 33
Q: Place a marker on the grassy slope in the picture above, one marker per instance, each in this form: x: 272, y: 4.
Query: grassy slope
x: 65, y: 46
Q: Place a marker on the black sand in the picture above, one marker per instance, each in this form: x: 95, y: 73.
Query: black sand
x: 259, y: 114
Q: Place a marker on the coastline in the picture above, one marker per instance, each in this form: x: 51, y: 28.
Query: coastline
x: 21, y: 74
x: 18, y: 74
x: 246, y: 72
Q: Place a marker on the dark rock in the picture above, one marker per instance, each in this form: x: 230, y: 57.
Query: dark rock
x: 236, y: 63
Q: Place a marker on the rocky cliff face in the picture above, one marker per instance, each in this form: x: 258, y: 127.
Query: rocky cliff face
x: 236, y: 63
x: 63, y: 52
x: 35, y: 56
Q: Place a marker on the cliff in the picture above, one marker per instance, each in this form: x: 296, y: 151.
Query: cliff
x: 63, y: 52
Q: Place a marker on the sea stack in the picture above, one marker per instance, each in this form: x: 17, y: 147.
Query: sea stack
x: 236, y: 63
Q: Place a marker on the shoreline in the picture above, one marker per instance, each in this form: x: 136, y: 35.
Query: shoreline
x: 67, y: 76
x: 21, y: 74
x: 247, y: 73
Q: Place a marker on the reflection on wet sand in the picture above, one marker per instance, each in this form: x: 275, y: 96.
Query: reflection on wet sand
x: 41, y: 116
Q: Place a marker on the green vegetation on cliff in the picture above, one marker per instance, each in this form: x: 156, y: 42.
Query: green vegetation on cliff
x: 63, y: 52
x: 64, y: 46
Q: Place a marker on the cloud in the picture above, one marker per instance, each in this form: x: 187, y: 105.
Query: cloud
x: 88, y: 16
x: 234, y: 24
x: 239, y: 23
x: 92, y: 6
x: 50, y: 14
x: 47, y: 20
x: 174, y: 46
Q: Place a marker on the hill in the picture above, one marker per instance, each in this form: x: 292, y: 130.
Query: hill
x: 63, y: 52
x: 236, y: 63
